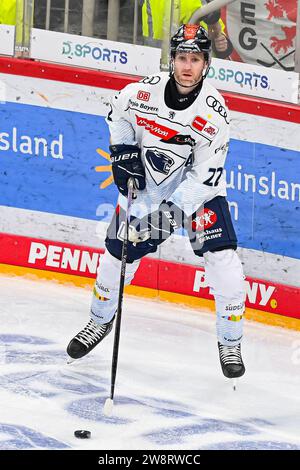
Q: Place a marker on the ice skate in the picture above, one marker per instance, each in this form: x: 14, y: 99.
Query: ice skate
x: 91, y: 335
x: 231, y: 361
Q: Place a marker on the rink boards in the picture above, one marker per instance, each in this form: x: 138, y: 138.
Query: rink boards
x: 55, y: 180
x: 176, y: 282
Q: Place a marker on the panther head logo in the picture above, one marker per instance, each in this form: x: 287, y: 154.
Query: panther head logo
x: 159, y: 161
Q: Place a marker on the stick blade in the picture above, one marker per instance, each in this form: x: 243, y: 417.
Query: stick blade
x: 108, y: 407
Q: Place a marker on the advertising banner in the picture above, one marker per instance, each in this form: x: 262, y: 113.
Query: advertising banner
x: 254, y: 80
x: 152, y: 273
x: 250, y: 79
x: 57, y: 161
x: 52, y: 161
x: 94, y: 53
x: 7, y: 39
x: 263, y: 185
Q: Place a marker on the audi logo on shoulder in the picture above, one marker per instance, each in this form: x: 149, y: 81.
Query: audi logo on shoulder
x: 212, y: 102
x: 151, y: 80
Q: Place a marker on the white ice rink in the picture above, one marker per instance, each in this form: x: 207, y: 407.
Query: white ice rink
x: 170, y: 391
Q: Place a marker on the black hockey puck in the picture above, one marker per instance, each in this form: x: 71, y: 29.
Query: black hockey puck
x: 81, y: 434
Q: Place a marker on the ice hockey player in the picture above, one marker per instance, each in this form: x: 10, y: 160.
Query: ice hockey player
x: 170, y: 132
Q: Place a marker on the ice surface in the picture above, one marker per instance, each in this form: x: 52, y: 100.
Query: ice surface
x: 170, y: 391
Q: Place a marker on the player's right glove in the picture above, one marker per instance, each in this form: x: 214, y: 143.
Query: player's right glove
x: 157, y: 226
x: 127, y: 163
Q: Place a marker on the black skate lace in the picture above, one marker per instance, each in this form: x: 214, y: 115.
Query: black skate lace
x: 230, y: 354
x: 91, y: 333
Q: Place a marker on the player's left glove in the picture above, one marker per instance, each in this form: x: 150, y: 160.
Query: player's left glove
x: 127, y: 163
x: 157, y: 226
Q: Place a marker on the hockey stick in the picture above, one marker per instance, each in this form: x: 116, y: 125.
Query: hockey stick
x: 110, y: 401
x: 209, y: 8
x: 276, y: 61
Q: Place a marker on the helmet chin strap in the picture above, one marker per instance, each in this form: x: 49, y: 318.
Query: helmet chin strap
x: 187, y: 86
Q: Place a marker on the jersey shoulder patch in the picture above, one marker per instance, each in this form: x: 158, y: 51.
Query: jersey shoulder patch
x: 205, y: 127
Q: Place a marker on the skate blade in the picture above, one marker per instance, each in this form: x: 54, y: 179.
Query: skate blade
x: 70, y: 360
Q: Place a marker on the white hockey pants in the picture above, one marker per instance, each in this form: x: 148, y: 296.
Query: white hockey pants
x: 224, y: 275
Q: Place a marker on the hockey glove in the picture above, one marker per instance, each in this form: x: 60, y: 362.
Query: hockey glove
x: 217, y: 52
x: 157, y: 226
x: 126, y: 163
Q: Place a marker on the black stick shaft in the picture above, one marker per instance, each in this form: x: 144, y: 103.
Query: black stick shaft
x: 121, y: 292
x: 287, y: 69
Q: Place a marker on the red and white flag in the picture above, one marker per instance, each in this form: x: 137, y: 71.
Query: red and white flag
x: 263, y: 32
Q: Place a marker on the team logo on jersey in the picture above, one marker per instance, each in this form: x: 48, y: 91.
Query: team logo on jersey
x: 204, y: 219
x: 161, y: 164
x: 205, y: 128
x: 159, y: 161
x: 171, y: 114
x: 165, y: 133
x: 143, y: 95
x: 181, y: 139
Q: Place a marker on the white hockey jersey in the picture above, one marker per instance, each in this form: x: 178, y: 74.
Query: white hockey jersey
x: 183, y: 151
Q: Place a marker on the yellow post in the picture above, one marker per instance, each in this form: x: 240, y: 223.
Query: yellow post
x: 24, y: 24
x: 170, y: 25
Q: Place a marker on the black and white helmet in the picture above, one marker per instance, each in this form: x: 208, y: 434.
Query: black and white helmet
x: 191, y: 38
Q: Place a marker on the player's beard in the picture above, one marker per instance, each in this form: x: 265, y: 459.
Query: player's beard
x: 193, y: 85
